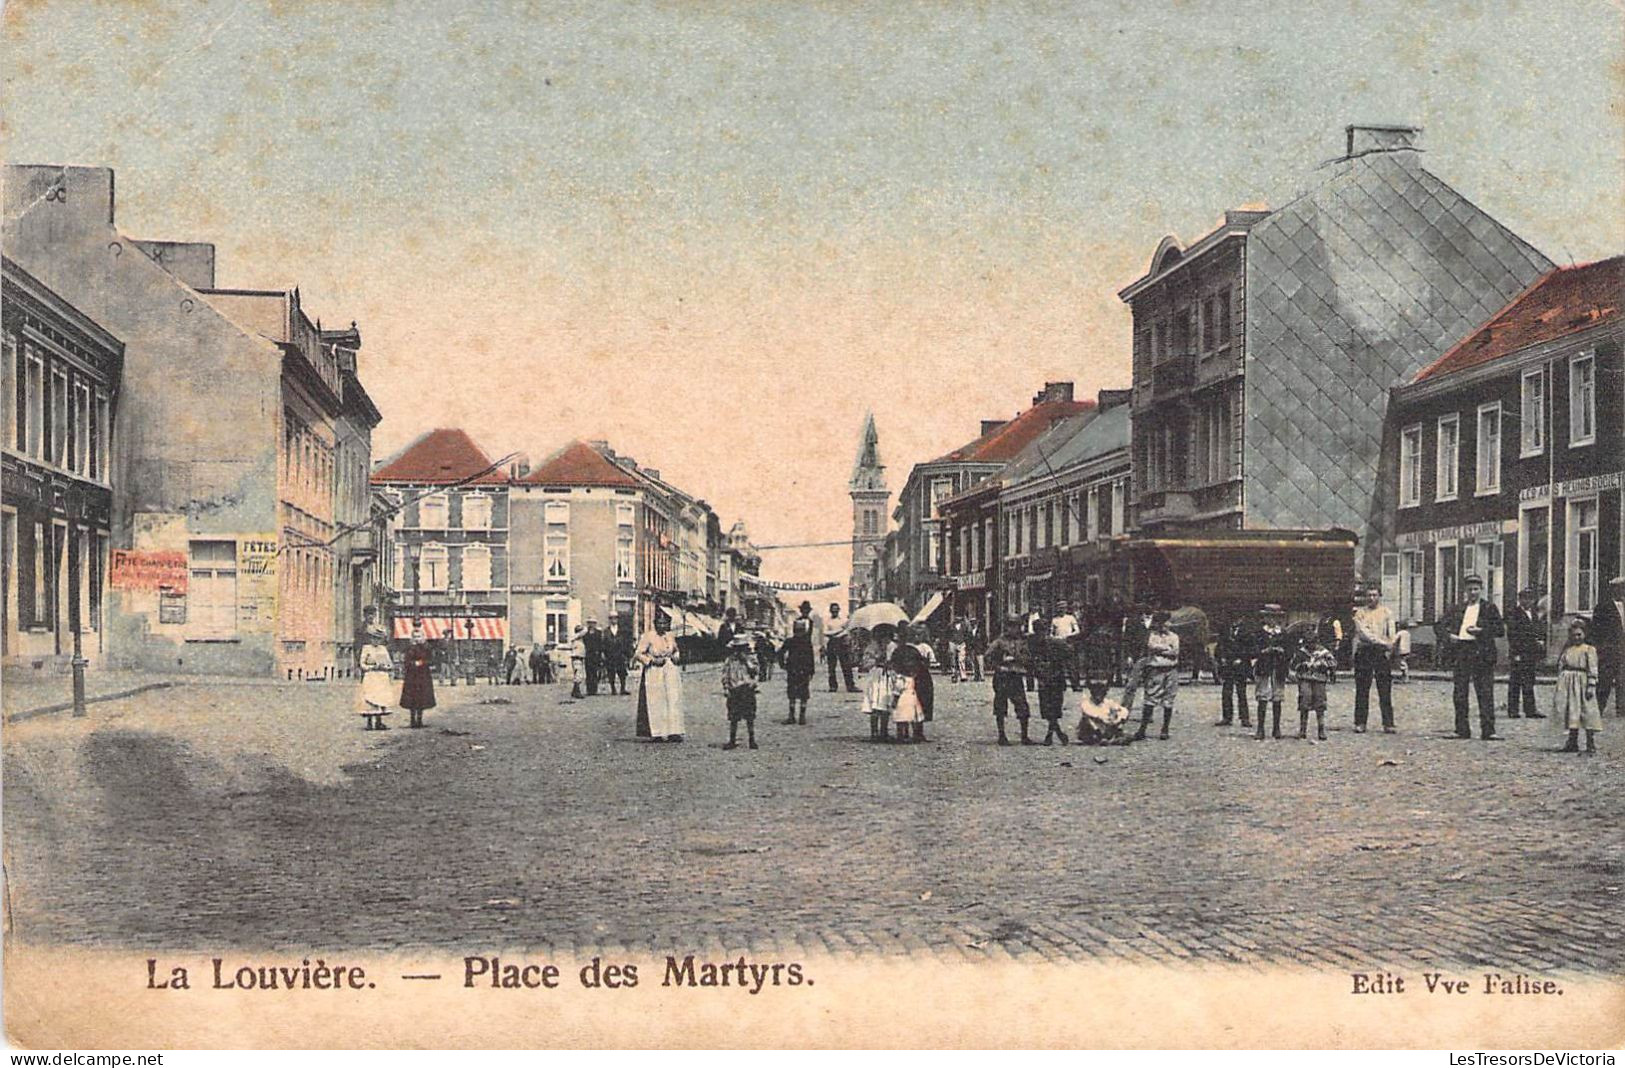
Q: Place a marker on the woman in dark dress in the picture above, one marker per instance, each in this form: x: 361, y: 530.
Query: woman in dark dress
x: 417, y: 678
x: 924, y: 687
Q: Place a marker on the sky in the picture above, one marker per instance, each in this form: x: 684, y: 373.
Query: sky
x: 716, y: 234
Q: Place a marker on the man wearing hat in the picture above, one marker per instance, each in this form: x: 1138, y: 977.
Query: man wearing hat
x: 1608, y: 635
x: 1469, y: 631
x: 594, y: 639
x: 1526, y: 646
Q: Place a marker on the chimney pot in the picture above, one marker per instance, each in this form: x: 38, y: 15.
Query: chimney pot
x: 1366, y: 139
x: 1054, y: 391
x: 990, y: 426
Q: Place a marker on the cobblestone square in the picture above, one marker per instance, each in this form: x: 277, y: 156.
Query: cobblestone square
x: 260, y: 816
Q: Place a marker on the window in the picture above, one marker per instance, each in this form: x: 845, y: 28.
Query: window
x: 60, y: 418
x: 1221, y: 301
x: 98, y: 576
x: 432, y: 512
x: 477, y: 566
x: 211, y: 591
x: 1483, y: 558
x: 1582, y: 591
x: 101, y: 430
x: 85, y: 558
x: 476, y: 511
x: 1582, y: 400
x: 1534, y: 548
x: 1411, y: 577
x: 1210, y: 318
x: 1032, y: 528
x: 31, y: 431
x: 625, y: 557
x: 32, y: 590
x: 1119, y: 512
x: 940, y: 489
x: 1532, y: 431
x: 433, y: 566
x: 1447, y: 576
x: 1447, y: 462
x: 1049, y: 523
x: 556, y: 542
x: 79, y: 430
x: 556, y: 622
x: 12, y: 379
x: 1489, y: 449
x: 1410, y: 467
x: 1066, y: 520
x: 1392, y: 587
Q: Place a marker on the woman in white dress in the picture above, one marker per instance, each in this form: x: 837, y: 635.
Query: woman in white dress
x: 377, y: 688
x: 660, y: 684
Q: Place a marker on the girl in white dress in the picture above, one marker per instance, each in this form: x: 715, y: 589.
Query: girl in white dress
x: 1576, y: 704
x: 660, y: 686
x: 377, y: 687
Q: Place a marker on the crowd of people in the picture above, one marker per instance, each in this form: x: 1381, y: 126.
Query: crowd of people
x: 892, y: 667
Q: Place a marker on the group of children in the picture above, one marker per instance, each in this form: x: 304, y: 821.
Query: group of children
x: 898, y: 693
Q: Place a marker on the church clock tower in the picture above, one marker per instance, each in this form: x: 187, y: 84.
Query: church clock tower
x: 871, y: 505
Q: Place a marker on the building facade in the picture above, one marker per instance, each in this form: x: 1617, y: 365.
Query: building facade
x: 920, y: 567
x: 62, y: 374
x: 1506, y: 455
x: 450, y: 527
x: 1263, y: 353
x: 578, y: 520
x: 355, y: 549
x: 223, y: 475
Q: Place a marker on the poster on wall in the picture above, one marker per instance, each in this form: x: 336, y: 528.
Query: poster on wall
x: 256, y: 583
x: 147, y: 570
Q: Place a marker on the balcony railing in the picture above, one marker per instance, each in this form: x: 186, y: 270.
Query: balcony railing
x: 1173, y: 376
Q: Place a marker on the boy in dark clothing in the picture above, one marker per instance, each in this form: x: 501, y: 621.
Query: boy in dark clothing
x: 1007, y: 660
x: 765, y: 655
x: 1313, y: 665
x: 1234, y: 659
x: 1526, y: 645
x: 1270, y: 668
x: 1052, y: 667
x: 739, y: 684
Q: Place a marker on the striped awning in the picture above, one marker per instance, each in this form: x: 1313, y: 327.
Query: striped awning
x: 462, y: 628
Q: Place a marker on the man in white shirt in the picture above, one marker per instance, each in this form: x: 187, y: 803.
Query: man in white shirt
x: 1064, y: 625
x: 1469, y: 630
x: 837, y: 650
x: 1375, y: 633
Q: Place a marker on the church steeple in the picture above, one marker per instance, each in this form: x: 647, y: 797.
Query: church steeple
x: 871, y: 503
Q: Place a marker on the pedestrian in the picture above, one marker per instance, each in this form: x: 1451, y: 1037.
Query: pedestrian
x: 417, y: 677
x: 1270, y: 668
x: 1526, y: 648
x: 1608, y: 635
x: 1576, y: 701
x: 1402, y: 652
x: 975, y: 646
x: 765, y: 655
x: 617, y: 655
x: 1160, y: 674
x: 729, y: 628
x: 739, y: 676
x: 838, y: 650
x: 1313, y: 666
x: 537, y: 662
x: 1233, y: 659
x: 906, y: 712
x: 1375, y: 635
x: 594, y: 641
x: 1136, y: 626
x: 1007, y: 659
x: 1102, y: 721
x: 956, y: 650
x: 799, y: 665
x: 377, y: 688
x: 1053, y: 665
x: 578, y: 662
x: 1064, y: 627
x: 660, y: 683
x: 874, y: 662
x: 513, y: 666
x: 1469, y: 631
x: 925, y: 687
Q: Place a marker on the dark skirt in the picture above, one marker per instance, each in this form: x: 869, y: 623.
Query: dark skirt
x: 798, y: 685
x: 643, y: 707
x: 417, y: 687
x: 925, y: 690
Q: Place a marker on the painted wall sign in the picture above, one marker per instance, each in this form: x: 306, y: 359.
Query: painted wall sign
x: 1464, y: 532
x: 256, y: 583
x: 1574, y: 487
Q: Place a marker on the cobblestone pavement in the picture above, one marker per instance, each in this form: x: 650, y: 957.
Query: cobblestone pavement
x: 210, y: 817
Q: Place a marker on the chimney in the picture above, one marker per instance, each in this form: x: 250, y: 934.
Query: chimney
x: 1054, y: 391
x: 992, y: 426
x: 1107, y: 399
x: 1363, y: 140
x: 652, y: 472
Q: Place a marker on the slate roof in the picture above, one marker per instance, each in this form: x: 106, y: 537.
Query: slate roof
x: 1002, y: 445
x: 439, y: 457
x: 1076, y: 440
x: 579, y: 464
x: 1351, y: 289
x: 1561, y: 302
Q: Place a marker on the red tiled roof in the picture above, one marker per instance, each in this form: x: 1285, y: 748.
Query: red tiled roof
x: 1002, y: 445
x: 1561, y: 302
x: 440, y: 456
x: 579, y: 464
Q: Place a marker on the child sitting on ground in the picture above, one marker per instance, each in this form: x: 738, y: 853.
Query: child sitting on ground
x: 1103, y: 719
x: 739, y: 684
